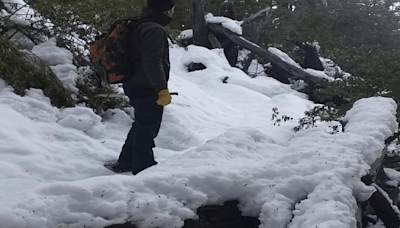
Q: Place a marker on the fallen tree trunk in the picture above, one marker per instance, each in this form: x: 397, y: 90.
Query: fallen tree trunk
x: 295, y: 72
x: 382, y: 206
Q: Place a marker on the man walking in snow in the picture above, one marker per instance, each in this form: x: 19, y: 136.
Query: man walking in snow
x: 148, y: 88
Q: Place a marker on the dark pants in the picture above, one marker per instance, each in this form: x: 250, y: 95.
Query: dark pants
x: 137, y: 150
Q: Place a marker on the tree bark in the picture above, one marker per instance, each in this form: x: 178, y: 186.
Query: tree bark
x: 247, y: 63
x: 231, y: 50
x: 228, y: 10
x: 199, y: 26
x: 214, y: 41
x: 255, y: 30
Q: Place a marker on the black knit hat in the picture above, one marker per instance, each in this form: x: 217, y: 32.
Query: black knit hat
x: 160, y: 5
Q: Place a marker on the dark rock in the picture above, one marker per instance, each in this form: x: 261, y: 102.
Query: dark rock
x: 311, y: 57
x: 184, y: 42
x: 214, y: 216
x: 196, y: 66
x: 126, y: 225
x: 226, y: 216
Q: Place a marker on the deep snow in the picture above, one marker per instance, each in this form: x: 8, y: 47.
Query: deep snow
x: 217, y: 143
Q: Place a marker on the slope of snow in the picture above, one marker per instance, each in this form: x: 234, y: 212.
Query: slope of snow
x: 217, y: 143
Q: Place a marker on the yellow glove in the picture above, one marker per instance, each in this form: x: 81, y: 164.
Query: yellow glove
x: 164, y: 98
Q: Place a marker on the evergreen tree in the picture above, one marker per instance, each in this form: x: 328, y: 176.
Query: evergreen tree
x: 359, y: 35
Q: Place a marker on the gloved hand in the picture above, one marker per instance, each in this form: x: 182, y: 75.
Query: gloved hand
x: 164, y: 98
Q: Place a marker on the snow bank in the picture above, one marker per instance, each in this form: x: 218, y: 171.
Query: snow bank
x: 217, y: 143
x: 82, y: 118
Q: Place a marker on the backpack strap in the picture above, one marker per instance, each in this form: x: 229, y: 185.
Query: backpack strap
x: 137, y: 21
x: 173, y: 42
x: 144, y: 20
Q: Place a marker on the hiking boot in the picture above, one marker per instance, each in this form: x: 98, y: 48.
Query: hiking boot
x: 118, y: 167
x: 138, y: 169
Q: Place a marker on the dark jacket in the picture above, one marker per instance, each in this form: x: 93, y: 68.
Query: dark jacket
x: 150, y: 52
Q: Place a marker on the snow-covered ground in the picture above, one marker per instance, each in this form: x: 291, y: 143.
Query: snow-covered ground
x: 217, y: 143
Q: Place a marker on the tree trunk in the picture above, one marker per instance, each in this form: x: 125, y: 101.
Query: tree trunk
x: 228, y: 10
x: 231, y: 50
x: 200, y: 30
x: 214, y: 41
x: 255, y: 26
x: 311, y: 57
x: 247, y: 63
x: 378, y: 201
x: 255, y: 30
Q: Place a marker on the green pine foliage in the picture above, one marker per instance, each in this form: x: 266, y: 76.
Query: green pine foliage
x: 23, y: 71
x: 71, y: 21
x: 359, y: 35
x: 76, y: 16
x: 99, y: 98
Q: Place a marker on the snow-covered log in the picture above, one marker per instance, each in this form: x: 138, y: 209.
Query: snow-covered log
x: 380, y: 200
x: 294, y: 72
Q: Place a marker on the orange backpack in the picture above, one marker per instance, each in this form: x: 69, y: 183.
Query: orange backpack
x: 110, y: 52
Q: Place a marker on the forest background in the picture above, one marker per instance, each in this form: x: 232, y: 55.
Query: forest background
x: 360, y: 36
